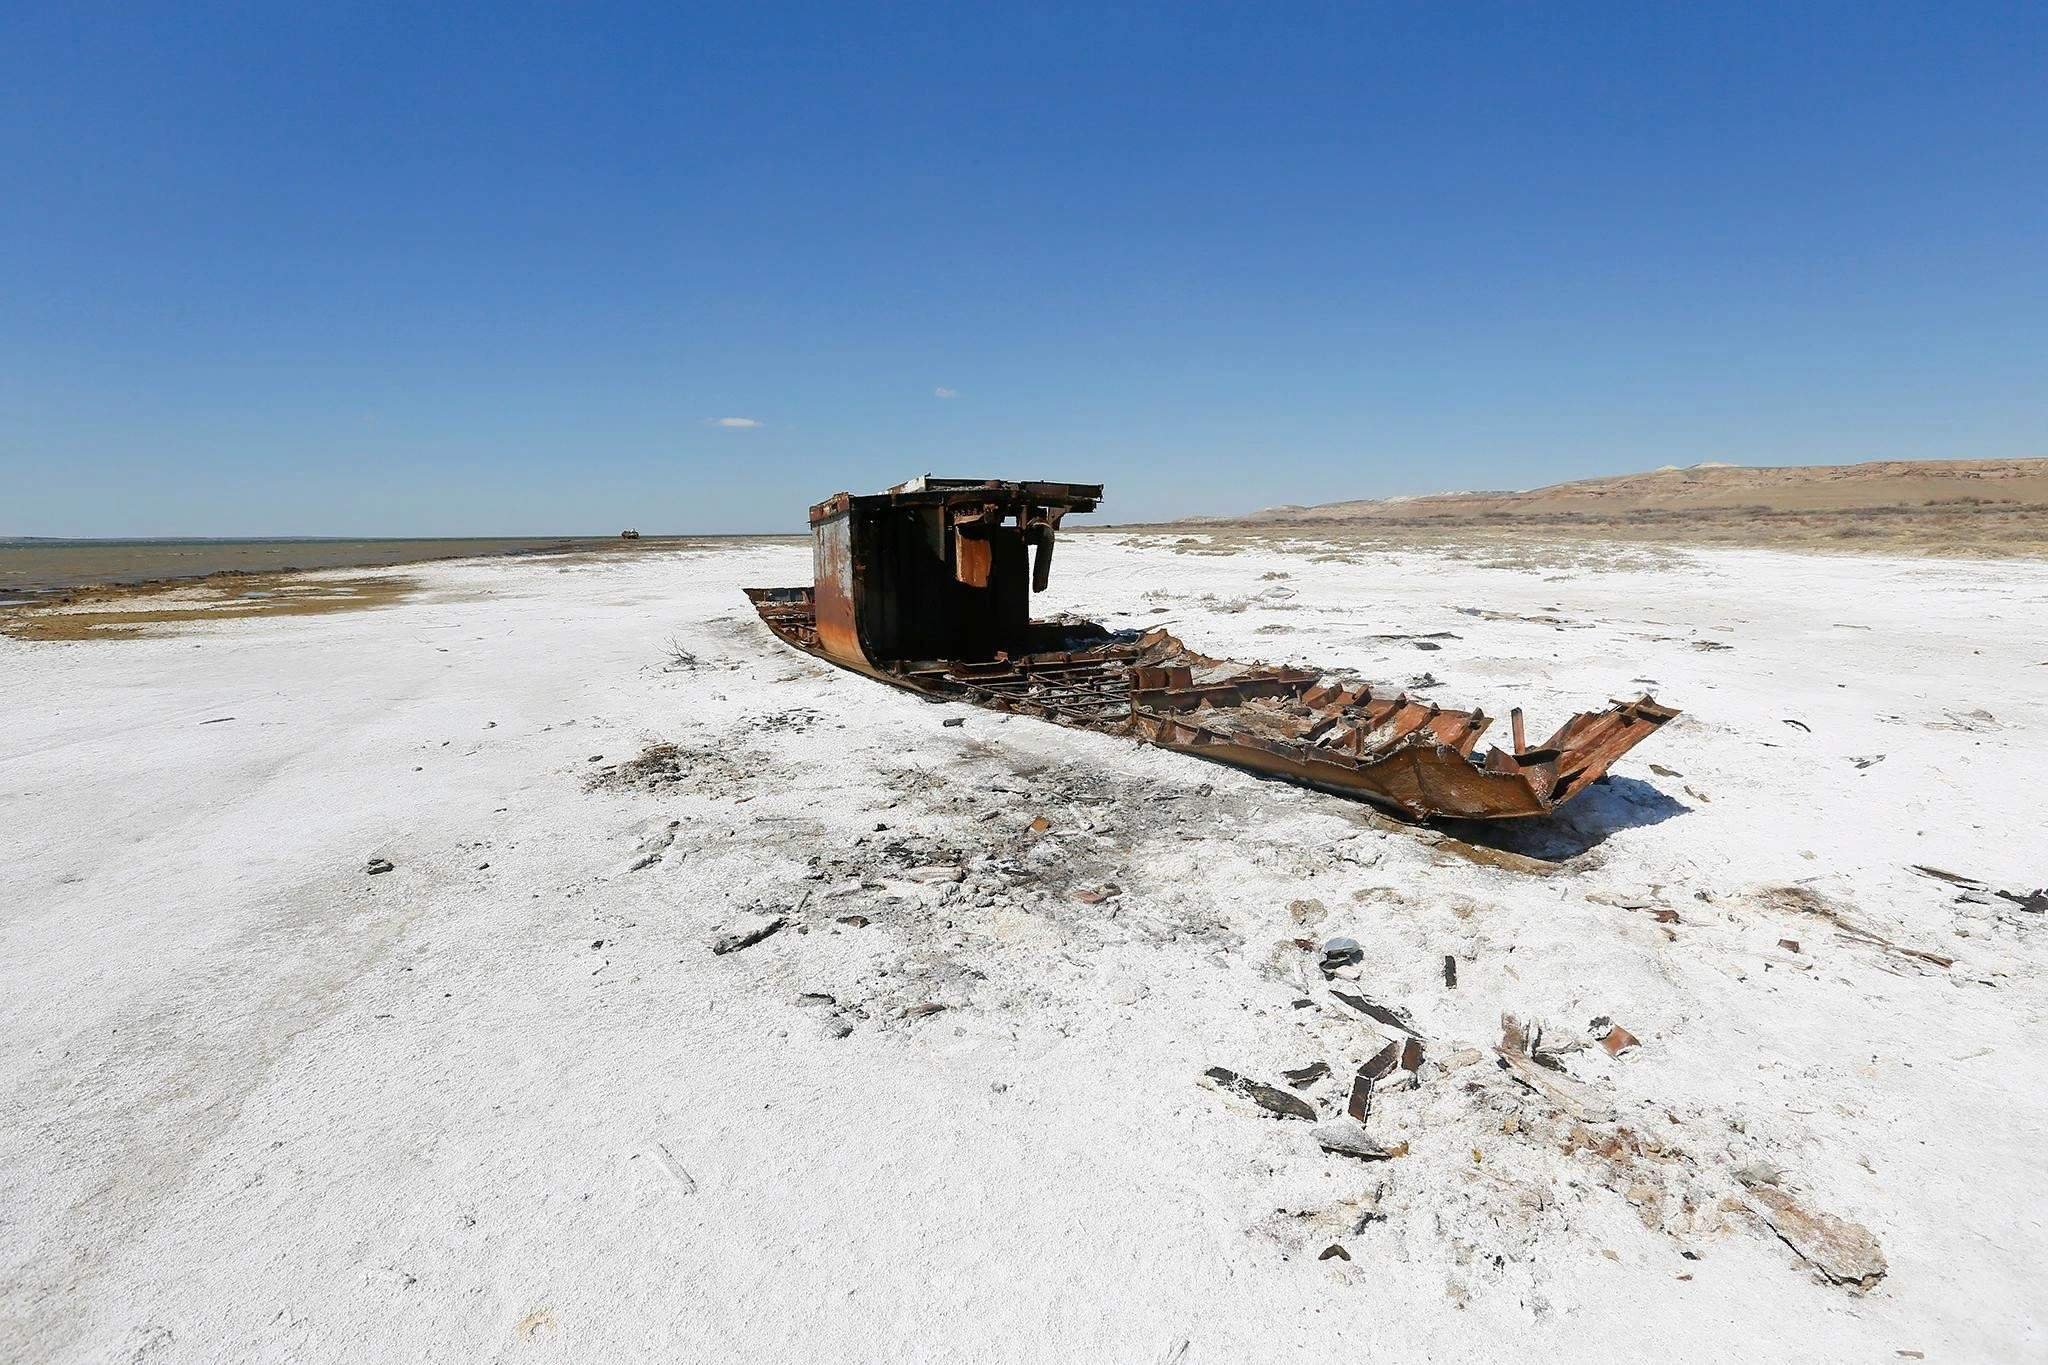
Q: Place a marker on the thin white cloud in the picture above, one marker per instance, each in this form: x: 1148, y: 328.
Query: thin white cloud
x: 943, y: 392
x: 739, y: 423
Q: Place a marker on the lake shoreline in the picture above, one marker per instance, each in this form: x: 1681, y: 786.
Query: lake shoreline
x: 41, y: 571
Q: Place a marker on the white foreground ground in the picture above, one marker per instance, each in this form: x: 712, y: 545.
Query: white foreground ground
x: 503, y: 1102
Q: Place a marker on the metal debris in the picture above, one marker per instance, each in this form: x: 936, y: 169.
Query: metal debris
x: 746, y: 938
x: 1302, y: 1077
x: 2035, y: 900
x: 1403, y: 1054
x: 927, y: 586
x: 1618, y: 1040
x: 1339, y: 953
x: 666, y: 1159
x: 1349, y: 1139
x: 1952, y: 878
x: 1270, y: 1098
x: 1566, y: 1094
x: 1360, y: 1104
x: 1385, y: 1014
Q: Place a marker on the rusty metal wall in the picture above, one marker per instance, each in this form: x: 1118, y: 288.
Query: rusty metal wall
x: 838, y: 612
x: 886, y: 592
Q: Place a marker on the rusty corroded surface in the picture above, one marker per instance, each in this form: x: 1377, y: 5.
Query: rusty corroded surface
x: 925, y: 587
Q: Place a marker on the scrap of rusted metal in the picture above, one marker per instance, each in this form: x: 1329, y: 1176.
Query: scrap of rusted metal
x: 927, y: 586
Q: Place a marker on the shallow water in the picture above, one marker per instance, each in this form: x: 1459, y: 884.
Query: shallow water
x: 35, y: 568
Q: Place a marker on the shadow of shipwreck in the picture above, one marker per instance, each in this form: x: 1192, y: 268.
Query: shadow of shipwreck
x: 1606, y: 807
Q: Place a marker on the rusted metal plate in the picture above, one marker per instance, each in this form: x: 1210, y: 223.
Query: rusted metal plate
x: 881, y: 561
x: 837, y: 625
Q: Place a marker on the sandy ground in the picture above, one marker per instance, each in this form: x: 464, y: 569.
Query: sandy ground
x: 503, y: 1101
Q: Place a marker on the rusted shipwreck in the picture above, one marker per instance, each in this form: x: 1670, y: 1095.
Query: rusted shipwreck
x: 928, y: 587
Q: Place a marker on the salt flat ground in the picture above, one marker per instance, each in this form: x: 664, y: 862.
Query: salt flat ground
x: 504, y: 1103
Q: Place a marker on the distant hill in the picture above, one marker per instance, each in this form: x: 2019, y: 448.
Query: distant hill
x: 1961, y: 506
x: 1888, y: 484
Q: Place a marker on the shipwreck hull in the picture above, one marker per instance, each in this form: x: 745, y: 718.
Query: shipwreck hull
x: 1387, y: 749
x: 926, y: 587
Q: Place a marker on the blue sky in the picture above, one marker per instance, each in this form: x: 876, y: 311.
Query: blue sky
x: 407, y: 269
